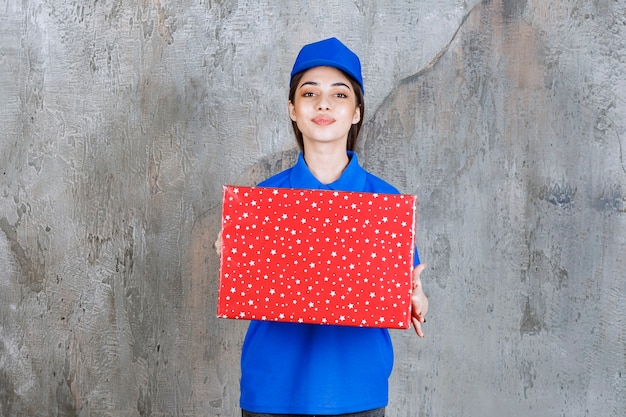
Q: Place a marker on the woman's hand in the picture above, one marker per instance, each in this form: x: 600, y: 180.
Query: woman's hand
x: 419, y: 301
x: 218, y: 243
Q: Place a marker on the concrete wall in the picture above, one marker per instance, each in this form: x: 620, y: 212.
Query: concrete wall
x: 121, y: 120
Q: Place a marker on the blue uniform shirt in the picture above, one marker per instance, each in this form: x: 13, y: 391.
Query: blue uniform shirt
x: 293, y: 368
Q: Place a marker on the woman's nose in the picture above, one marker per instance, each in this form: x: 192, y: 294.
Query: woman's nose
x: 324, y: 103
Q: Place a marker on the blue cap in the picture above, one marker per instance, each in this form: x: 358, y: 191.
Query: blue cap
x: 329, y: 53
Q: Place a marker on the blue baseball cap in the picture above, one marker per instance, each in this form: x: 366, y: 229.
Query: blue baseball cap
x: 328, y: 53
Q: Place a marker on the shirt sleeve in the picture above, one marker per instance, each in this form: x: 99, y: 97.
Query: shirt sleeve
x: 416, y: 258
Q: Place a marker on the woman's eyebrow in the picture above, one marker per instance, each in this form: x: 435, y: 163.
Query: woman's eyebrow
x: 316, y: 84
x: 309, y: 83
x: 341, y: 84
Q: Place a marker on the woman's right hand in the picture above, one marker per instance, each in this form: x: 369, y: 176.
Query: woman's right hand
x: 218, y: 243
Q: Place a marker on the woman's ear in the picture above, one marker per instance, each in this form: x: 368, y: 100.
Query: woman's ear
x: 292, y: 110
x: 357, y: 115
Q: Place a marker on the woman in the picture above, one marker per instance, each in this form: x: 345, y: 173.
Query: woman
x: 305, y: 369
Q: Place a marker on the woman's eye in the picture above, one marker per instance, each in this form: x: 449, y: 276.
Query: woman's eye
x: 341, y: 95
x: 307, y: 94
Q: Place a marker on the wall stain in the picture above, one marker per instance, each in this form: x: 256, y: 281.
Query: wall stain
x: 7, y: 387
x: 95, y: 243
x: 154, y: 171
x: 561, y: 195
x: 528, y: 375
x: 513, y: 9
x: 530, y: 324
x: 144, y: 402
x: 611, y: 199
x: 549, y: 267
x: 64, y: 399
x: 442, y: 252
x: 167, y: 24
x: 33, y: 268
x: 127, y: 262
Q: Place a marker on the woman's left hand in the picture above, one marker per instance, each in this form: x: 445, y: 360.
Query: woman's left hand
x: 419, y: 301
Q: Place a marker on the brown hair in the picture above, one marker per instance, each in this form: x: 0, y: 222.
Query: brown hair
x: 353, y: 134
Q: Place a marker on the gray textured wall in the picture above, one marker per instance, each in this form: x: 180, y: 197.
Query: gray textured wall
x: 121, y: 120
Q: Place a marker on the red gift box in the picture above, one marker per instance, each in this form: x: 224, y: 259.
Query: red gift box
x: 317, y: 256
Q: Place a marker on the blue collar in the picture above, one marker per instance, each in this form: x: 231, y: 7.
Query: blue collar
x: 352, y: 179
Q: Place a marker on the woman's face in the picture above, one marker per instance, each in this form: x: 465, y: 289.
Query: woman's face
x: 324, y: 106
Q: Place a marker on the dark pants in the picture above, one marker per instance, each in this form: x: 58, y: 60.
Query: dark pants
x: 378, y: 412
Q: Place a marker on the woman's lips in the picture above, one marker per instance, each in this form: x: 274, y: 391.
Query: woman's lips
x: 323, y: 120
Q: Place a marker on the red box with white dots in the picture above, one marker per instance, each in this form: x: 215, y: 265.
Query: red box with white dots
x: 317, y: 256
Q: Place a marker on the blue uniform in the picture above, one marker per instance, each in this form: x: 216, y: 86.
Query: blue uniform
x: 290, y: 368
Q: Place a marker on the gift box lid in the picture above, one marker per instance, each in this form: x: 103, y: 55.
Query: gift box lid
x: 317, y: 256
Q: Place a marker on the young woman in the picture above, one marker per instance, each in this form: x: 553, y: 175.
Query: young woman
x: 293, y: 369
